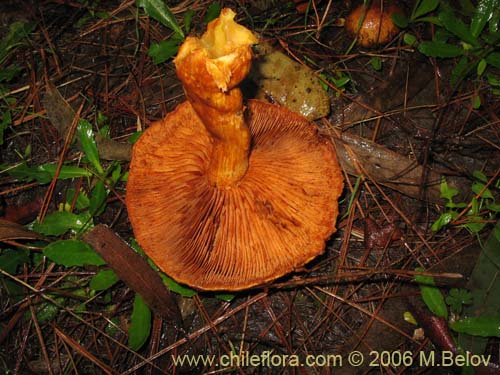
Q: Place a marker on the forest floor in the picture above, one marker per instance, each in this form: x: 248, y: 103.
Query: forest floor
x: 418, y: 140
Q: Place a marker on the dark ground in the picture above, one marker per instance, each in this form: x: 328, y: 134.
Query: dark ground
x: 353, y: 297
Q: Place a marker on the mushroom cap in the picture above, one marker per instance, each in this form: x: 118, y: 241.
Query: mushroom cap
x: 377, y: 27
x: 275, y: 220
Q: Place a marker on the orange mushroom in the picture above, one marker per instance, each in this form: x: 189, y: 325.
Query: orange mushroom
x: 223, y: 196
x: 372, y: 24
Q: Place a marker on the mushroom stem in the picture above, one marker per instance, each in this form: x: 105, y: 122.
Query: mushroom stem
x: 222, y: 115
x: 210, y: 69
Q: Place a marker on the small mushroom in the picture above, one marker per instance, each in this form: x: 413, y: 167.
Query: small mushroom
x: 372, y: 24
x: 227, y: 196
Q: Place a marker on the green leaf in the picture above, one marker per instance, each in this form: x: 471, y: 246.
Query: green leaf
x: 15, y: 290
x: 72, y: 253
x: 440, y: 49
x: 82, y: 201
x: 480, y: 176
x: 175, y: 287
x: 59, y: 222
x: 9, y: 73
x: 484, y: 326
x: 400, y: 20
x: 188, y: 18
x: 45, y: 172
x: 116, y: 173
x: 484, y: 12
x: 484, y: 283
x: 103, y: 280
x: 475, y: 225
x: 10, y: 260
x: 410, y: 39
x: 424, y: 7
x: 340, y: 82
x: 443, y: 220
x: 102, y: 15
x: 161, y: 52
x: 474, y: 210
x: 441, y: 35
x: 18, y: 31
x: 140, y: 324
x: 101, y: 120
x: 492, y: 38
x: 458, y: 297
x: 27, y: 151
x: 226, y: 297
x: 446, y: 191
x: 98, y: 197
x: 134, y: 137
x: 494, y: 21
x: 47, y: 311
x: 88, y: 144
x: 159, y: 11
x: 491, y: 247
x: 481, y: 67
x: 376, y: 63
x: 493, y: 59
x: 171, y: 284
x: 66, y: 172
x: 23, y: 172
x: 430, y: 19
x: 455, y: 26
x: 477, y: 187
x: 213, y: 12
x: 476, y: 102
x: 431, y: 295
x: 460, y: 70
x: 493, y: 207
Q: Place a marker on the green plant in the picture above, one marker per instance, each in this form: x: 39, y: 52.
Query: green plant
x: 431, y: 295
x: 338, y: 79
x: 483, y: 325
x: 475, y: 311
x: 420, y: 13
x: 92, y: 12
x: 481, y: 210
x: 16, y: 37
x: 165, y: 49
x: 457, y: 298
x: 460, y: 32
x: 64, y: 227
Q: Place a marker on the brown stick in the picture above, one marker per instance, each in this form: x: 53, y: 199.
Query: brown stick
x: 134, y: 271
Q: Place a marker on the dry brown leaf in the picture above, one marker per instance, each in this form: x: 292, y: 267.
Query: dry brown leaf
x: 13, y: 231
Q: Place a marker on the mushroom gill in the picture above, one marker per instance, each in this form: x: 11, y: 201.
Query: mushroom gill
x: 227, y: 197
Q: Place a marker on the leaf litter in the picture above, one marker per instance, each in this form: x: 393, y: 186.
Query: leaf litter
x: 398, y: 129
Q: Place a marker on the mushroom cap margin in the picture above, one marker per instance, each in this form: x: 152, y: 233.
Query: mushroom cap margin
x: 275, y: 220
